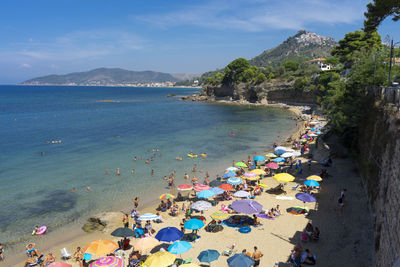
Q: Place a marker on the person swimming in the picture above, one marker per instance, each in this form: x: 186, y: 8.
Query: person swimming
x: 118, y: 172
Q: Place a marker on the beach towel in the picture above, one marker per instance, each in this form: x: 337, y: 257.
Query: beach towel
x: 264, y: 216
x: 297, y: 210
x: 284, y: 198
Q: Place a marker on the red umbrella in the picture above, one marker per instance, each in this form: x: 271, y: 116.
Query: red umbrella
x: 273, y: 165
x: 184, y: 187
x: 226, y: 187
x: 59, y: 264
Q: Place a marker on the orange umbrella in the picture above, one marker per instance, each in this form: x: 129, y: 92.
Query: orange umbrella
x: 226, y: 187
x: 100, y: 247
x: 146, y: 243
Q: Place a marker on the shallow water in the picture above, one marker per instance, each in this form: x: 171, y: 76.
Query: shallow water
x: 97, y: 136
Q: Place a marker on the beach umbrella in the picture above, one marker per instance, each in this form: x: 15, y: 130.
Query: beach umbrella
x: 273, y: 165
x: 313, y: 135
x: 287, y: 155
x: 284, y: 177
x: 259, y: 172
x: 263, y: 185
x: 108, y: 262
x: 179, y: 247
x: 185, y: 187
x: 194, y: 224
x: 160, y: 259
x: 250, y: 174
x: 169, y: 234
x: 148, y: 217
x: 240, y: 260
x: 246, y: 206
x: 289, y: 150
x: 232, y: 169
x: 166, y: 196
x: 220, y: 215
x: 189, y: 265
x: 241, y: 193
x: 217, y: 190
x: 59, y: 264
x: 234, y: 181
x: 280, y: 148
x: 201, y: 187
x: 296, y: 154
x: 315, y: 178
x: 228, y: 174
x: 241, y: 164
x: 123, y: 232
x: 278, y: 160
x: 259, y: 158
x: 208, y: 255
x: 252, y: 178
x: 215, y: 183
x: 146, y: 243
x: 201, y: 205
x: 279, y: 152
x: 205, y: 194
x: 226, y: 187
x: 270, y: 155
x: 311, y: 183
x: 100, y: 247
x: 305, y: 197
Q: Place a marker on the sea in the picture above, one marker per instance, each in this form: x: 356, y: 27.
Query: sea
x: 54, y: 139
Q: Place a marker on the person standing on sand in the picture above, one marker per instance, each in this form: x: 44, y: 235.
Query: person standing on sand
x: 257, y: 256
x: 125, y: 220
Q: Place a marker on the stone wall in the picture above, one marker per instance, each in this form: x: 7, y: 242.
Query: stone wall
x: 379, y: 161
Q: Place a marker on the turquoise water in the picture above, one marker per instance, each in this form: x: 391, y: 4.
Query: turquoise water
x: 97, y: 136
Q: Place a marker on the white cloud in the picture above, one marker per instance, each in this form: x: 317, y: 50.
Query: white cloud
x: 258, y: 15
x: 26, y: 65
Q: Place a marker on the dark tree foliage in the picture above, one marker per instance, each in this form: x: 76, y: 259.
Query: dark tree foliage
x: 378, y: 11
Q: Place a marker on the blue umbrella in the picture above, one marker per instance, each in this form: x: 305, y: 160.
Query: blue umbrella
x: 279, y: 151
x: 194, y: 224
x: 240, y: 260
x: 277, y: 160
x: 311, y: 183
x: 217, y: 190
x: 179, y: 247
x: 169, y: 234
x: 229, y: 174
x: 234, y: 181
x: 208, y: 256
x: 305, y: 197
x: 205, y: 194
x: 259, y: 158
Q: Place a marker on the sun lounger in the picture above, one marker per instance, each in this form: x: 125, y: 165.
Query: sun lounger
x: 65, y: 255
x: 230, y: 250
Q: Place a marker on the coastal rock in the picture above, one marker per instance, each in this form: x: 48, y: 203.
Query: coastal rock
x: 93, y: 224
x: 101, y: 221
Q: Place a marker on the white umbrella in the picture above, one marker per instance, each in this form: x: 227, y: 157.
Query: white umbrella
x: 280, y: 148
x: 296, y: 154
x: 289, y: 150
x: 201, y: 205
x: 287, y: 155
x: 241, y: 194
x: 233, y: 169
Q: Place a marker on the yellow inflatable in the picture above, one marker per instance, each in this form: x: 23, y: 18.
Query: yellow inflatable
x: 192, y: 156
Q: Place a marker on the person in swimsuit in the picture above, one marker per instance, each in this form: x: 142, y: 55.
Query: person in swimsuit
x: 49, y: 259
x: 257, y: 256
x: 136, y: 202
x: 78, y: 255
x: 1, y: 252
x: 118, y: 172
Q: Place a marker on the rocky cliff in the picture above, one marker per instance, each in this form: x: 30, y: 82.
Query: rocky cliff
x: 379, y: 158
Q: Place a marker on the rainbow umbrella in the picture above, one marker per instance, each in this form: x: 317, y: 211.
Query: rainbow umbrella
x: 166, y: 196
x: 284, y: 177
x: 185, y: 187
x: 59, y: 264
x: 241, y: 164
x: 201, y: 187
x: 220, y: 215
x: 147, y: 243
x: 160, y: 259
x: 315, y: 178
x: 108, y: 262
x: 273, y: 165
x: 100, y: 247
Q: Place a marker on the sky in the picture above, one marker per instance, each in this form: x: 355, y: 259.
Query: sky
x: 42, y: 37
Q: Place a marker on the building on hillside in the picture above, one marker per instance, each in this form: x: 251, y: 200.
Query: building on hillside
x: 320, y: 62
x: 396, y: 61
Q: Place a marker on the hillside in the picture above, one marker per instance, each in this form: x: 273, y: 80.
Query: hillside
x: 106, y: 76
x: 302, y: 46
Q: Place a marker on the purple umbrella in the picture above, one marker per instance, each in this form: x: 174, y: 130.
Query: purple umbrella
x: 305, y: 197
x: 246, y: 206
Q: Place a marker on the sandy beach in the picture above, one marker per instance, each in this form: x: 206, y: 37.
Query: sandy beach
x: 346, y: 237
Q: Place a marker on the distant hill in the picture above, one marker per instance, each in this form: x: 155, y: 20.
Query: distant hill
x: 302, y: 46
x: 107, y: 76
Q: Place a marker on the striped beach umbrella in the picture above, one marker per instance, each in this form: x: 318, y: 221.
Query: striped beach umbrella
x: 185, y: 187
x: 220, y: 215
x: 148, y: 217
x: 234, y: 181
x: 166, y: 196
x: 201, y: 187
x: 108, y: 262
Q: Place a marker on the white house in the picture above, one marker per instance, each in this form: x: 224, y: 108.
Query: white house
x: 320, y: 62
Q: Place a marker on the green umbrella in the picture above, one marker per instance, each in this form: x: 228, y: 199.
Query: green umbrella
x: 241, y: 164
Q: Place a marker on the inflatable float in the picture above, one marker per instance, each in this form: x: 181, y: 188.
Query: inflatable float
x: 192, y: 156
x: 42, y: 230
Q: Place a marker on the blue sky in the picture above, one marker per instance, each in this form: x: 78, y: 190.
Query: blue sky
x: 41, y: 37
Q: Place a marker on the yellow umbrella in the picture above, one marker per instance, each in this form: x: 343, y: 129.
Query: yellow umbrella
x: 160, y: 259
x: 263, y: 185
x: 315, y: 178
x: 270, y: 155
x: 146, y: 243
x: 284, y: 177
x: 259, y: 172
x: 100, y: 247
x: 166, y: 196
x: 251, y: 178
x: 189, y: 265
x: 220, y: 215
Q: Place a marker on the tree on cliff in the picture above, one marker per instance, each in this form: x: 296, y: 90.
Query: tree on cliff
x: 378, y: 11
x: 235, y: 71
x: 354, y: 42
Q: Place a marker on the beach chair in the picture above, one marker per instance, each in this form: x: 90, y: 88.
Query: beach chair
x: 295, y: 187
x: 229, y: 251
x: 65, y: 255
